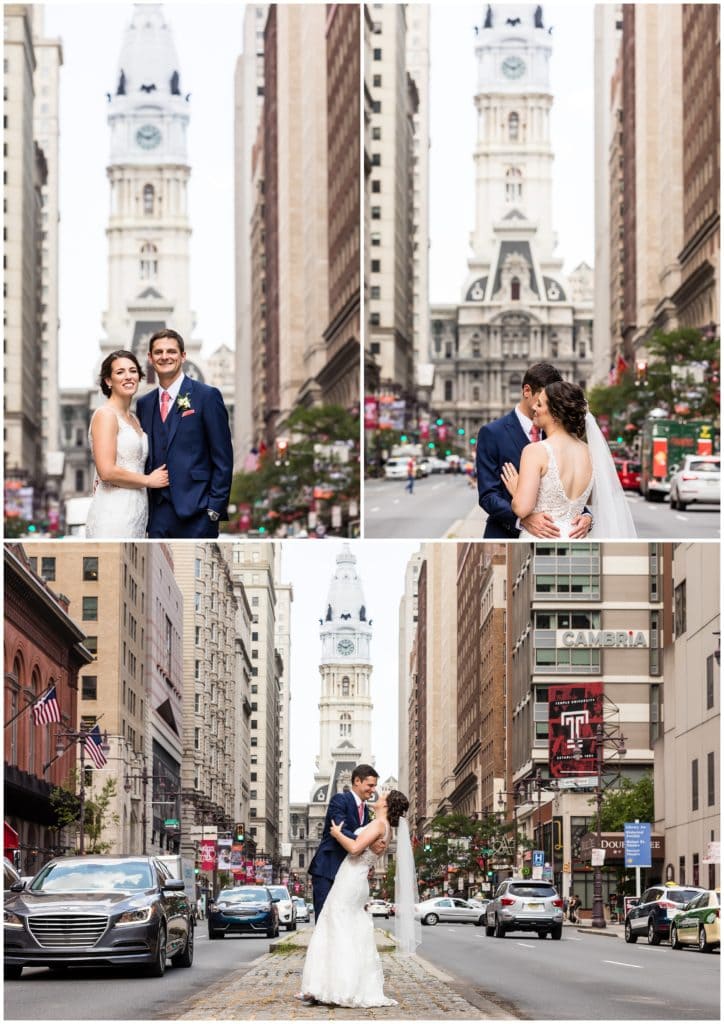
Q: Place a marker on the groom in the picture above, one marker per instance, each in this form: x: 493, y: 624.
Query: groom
x: 350, y: 808
x: 188, y: 432
x: 503, y: 441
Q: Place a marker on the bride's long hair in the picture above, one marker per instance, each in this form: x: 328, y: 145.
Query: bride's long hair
x: 567, y: 404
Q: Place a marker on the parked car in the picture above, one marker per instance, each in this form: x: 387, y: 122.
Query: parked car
x: 245, y: 908
x: 629, y: 473
x: 10, y: 873
x: 698, y: 480
x: 396, y: 469
x: 698, y: 923
x: 439, y: 465
x: 424, y: 467
x: 524, y: 904
x: 285, y: 905
x: 302, y: 910
x: 449, y: 909
x: 83, y: 911
x: 379, y: 908
x: 654, y: 912
x: 480, y: 904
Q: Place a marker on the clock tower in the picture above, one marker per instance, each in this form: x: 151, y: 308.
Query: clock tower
x: 148, y: 229
x: 345, y: 707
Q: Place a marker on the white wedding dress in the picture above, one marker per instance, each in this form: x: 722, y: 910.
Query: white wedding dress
x: 342, y: 965
x: 120, y: 513
x: 554, y: 500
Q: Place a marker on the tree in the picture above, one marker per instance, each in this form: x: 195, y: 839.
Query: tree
x: 627, y: 802
x: 462, y: 846
x: 96, y: 811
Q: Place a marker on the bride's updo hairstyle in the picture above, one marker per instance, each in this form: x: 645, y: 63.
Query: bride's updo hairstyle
x: 107, y: 368
x: 567, y: 404
x: 397, y: 804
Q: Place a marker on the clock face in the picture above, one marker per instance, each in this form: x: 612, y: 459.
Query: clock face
x: 345, y: 647
x: 148, y: 136
x: 513, y: 67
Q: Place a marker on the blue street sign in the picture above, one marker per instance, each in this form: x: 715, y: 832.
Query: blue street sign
x: 538, y: 858
x: 637, y: 844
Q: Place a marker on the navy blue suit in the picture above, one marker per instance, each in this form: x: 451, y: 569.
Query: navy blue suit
x: 499, y: 442
x: 195, y: 444
x: 327, y: 860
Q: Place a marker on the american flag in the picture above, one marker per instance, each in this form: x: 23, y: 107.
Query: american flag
x: 46, y: 709
x: 92, y: 745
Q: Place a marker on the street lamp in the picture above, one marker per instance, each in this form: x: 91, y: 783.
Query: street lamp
x: 514, y: 793
x: 618, y: 742
x: 65, y: 739
x: 144, y: 778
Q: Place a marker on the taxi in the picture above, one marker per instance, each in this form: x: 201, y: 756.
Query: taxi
x: 698, y: 923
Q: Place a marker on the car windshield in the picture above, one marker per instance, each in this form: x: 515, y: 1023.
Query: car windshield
x: 94, y: 876
x: 279, y: 891
x: 243, y: 896
x: 704, y: 467
x: 531, y: 889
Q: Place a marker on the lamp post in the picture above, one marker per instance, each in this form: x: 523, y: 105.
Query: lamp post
x: 618, y: 741
x: 501, y: 802
x: 65, y: 739
x: 144, y: 778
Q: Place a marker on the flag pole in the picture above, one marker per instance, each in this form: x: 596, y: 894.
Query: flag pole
x: 30, y: 705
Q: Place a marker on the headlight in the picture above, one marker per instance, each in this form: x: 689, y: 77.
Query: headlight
x: 137, y: 916
x: 12, y: 920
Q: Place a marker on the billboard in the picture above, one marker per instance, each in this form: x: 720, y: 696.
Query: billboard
x: 575, y: 710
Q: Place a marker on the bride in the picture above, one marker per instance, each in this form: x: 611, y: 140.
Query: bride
x: 572, y: 466
x: 343, y: 966
x: 119, y: 447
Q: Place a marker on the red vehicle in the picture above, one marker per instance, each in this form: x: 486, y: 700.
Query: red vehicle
x: 629, y: 473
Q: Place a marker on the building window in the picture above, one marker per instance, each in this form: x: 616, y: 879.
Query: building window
x: 80, y: 479
x: 376, y: 133
x: 90, y: 568
x: 90, y: 609
x: 375, y: 319
x: 695, y: 784
x: 710, y: 780
x: 680, y: 609
x: 376, y: 213
x: 513, y: 126
x: 91, y: 644
x: 515, y: 289
x: 345, y: 724
x: 375, y: 348
x: 148, y: 196
x: 345, y: 686
x: 47, y: 568
x: 377, y: 54
x: 710, y: 682
x: 375, y: 291
x: 448, y: 391
x: 376, y: 185
x: 89, y: 688
x: 695, y: 869
x: 375, y: 239
x: 476, y: 393
x: 301, y: 859
x: 513, y: 184
x: 682, y: 870
x: 149, y: 261
x: 376, y: 266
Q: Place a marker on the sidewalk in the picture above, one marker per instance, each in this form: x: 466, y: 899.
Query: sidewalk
x: 613, y: 931
x: 471, y: 526
x: 265, y: 988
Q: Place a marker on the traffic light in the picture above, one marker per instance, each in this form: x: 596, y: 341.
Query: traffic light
x: 403, y: 438
x: 461, y: 430
x: 239, y: 832
x: 472, y: 440
x: 282, y: 448
x: 490, y: 873
x: 619, y: 440
x: 439, y: 421
x: 431, y: 444
x: 428, y: 847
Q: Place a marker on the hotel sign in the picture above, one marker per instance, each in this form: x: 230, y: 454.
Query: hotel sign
x: 594, y: 638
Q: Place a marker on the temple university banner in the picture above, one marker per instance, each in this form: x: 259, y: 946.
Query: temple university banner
x: 574, y: 712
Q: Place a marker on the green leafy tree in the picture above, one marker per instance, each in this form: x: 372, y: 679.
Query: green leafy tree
x: 627, y: 802
x: 465, y: 844
x: 97, y: 814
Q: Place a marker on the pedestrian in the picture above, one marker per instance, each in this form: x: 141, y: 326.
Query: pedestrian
x: 409, y: 486
x: 573, y: 909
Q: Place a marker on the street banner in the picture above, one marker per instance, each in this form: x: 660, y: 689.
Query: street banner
x: 370, y: 413
x: 637, y: 844
x: 661, y: 458
x: 424, y: 430
x: 598, y: 858
x: 224, y: 855
x: 574, y: 712
x: 207, y: 855
x: 391, y: 413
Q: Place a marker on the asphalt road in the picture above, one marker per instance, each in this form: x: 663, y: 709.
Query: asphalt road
x: 581, y: 977
x: 446, y: 506
x: 123, y: 993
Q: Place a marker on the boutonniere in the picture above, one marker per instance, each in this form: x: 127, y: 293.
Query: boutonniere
x: 183, y: 402
x: 371, y: 812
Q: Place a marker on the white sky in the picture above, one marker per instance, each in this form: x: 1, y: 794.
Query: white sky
x: 208, y: 40
x: 309, y: 566
x: 453, y: 73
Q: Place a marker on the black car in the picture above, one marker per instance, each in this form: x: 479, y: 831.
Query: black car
x: 85, y: 911
x: 653, y: 913
x: 246, y: 908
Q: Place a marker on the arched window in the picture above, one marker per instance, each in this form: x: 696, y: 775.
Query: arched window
x: 476, y: 393
x: 148, y: 199
x: 345, y: 724
x: 513, y: 184
x: 149, y: 261
x: 515, y: 288
x: 35, y: 692
x: 513, y: 126
x: 345, y: 686
x: 448, y: 391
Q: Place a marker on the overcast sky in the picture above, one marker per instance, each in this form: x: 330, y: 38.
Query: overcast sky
x: 453, y: 75
x: 309, y: 566
x: 208, y: 40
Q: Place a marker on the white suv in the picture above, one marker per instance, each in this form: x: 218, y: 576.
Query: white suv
x: 285, y: 905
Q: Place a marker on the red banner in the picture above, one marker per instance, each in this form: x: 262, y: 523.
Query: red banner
x: 661, y: 458
x: 207, y: 855
x: 574, y: 712
x: 704, y: 446
x: 370, y: 413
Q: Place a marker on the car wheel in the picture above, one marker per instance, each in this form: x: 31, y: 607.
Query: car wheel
x: 499, y: 929
x: 480, y: 922
x: 542, y: 935
x: 158, y: 968
x: 675, y: 944
x: 12, y: 972
x: 271, y: 933
x: 557, y: 931
x: 652, y: 936
x: 186, y: 957
x: 214, y: 934
x: 704, y: 946
x: 628, y: 932
x: 489, y: 929
x: 431, y: 919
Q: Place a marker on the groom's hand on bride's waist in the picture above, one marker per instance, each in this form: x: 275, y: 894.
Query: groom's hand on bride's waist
x: 580, y: 526
x: 540, y: 524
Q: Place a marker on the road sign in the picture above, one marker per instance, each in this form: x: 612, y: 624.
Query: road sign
x: 171, y: 823
x: 538, y: 858
x: 598, y: 858
x: 637, y: 844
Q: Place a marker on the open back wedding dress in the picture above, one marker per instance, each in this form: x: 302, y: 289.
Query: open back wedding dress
x: 120, y: 512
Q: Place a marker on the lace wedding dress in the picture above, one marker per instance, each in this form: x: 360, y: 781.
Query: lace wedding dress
x: 342, y: 965
x: 120, y: 512
x: 553, y: 499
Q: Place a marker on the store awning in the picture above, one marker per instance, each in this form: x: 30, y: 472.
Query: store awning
x: 11, y: 838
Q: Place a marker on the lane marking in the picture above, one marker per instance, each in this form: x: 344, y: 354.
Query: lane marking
x: 375, y: 509
x: 395, y: 501
x: 684, y: 519
x: 525, y: 945
x: 617, y: 963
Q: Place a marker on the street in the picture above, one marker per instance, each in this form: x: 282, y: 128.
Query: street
x: 446, y: 506
x: 123, y: 993
x: 583, y: 977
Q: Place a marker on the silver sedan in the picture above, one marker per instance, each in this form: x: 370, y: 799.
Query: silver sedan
x: 449, y: 908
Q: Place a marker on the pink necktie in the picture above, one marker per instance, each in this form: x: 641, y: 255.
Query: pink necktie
x: 361, y: 813
x: 164, y: 405
x: 534, y: 433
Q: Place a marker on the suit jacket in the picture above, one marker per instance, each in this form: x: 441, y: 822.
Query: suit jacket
x: 501, y: 441
x: 330, y: 854
x: 198, y: 451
